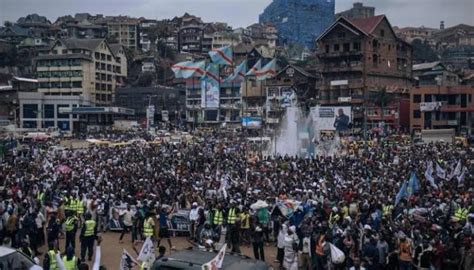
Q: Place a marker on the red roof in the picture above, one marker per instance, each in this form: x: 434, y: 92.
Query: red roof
x: 367, y: 24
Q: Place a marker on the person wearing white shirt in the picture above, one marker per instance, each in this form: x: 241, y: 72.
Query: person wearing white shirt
x: 193, y: 217
x: 127, y: 222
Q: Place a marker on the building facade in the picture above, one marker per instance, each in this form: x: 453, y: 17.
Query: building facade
x: 358, y: 11
x: 124, y: 31
x: 299, y: 21
x: 360, y: 57
x: 442, y: 107
x: 38, y: 111
x: 81, y: 67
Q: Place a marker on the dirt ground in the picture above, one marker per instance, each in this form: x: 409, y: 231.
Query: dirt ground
x: 112, y: 249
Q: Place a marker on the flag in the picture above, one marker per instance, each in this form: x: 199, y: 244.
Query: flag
x: 457, y: 170
x: 255, y: 68
x: 239, y: 73
x: 127, y: 262
x: 188, y: 69
x: 413, y: 184
x: 461, y: 178
x: 217, y: 261
x: 287, y: 207
x: 402, y: 193
x: 147, y: 251
x: 211, y: 73
x: 267, y: 72
x: 440, y: 172
x: 429, y: 175
x: 222, y: 56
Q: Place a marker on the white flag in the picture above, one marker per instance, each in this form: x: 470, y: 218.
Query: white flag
x: 147, y: 251
x: 127, y: 262
x: 429, y: 174
x: 440, y: 172
x: 216, y: 263
x: 461, y: 178
x: 457, y: 170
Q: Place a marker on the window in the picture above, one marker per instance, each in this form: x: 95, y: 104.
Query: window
x: 64, y: 115
x: 416, y: 114
x: 77, y: 84
x: 30, y: 110
x: 375, y: 60
x: 109, y: 58
x: 64, y: 51
x: 346, y: 47
x: 29, y: 124
x: 63, y: 125
x: 55, y: 51
x: 48, y: 124
x: 97, y: 55
x: 49, y: 111
x: 327, y: 48
x: 356, y: 46
x: 416, y: 98
x: 382, y: 33
x: 341, y: 35
x: 336, y: 47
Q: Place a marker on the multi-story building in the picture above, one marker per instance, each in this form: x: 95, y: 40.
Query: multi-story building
x: 125, y: 31
x: 263, y: 34
x: 299, y: 21
x: 359, y: 57
x: 146, y: 26
x: 459, y: 35
x: 165, y: 99
x: 358, y: 11
x: 411, y: 33
x: 434, y: 73
x: 81, y: 67
x: 190, y: 38
x: 441, y: 107
x: 228, y: 111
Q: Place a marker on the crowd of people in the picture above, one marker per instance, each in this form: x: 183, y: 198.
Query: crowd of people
x: 369, y: 206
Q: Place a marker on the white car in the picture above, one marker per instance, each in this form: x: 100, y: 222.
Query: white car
x: 11, y: 259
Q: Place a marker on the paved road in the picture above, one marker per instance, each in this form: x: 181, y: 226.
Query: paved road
x: 112, y: 249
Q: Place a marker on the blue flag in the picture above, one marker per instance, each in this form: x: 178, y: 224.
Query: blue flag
x: 413, y: 184
x: 239, y: 73
x: 402, y: 193
x: 222, y: 56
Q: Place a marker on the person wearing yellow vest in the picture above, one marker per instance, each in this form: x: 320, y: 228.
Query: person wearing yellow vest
x: 149, y: 226
x: 245, y: 226
x: 217, y: 219
x: 69, y: 260
x: 387, y: 210
x: 79, y: 210
x: 88, y: 235
x: 71, y: 229
x: 334, y: 216
x: 50, y: 262
x: 460, y: 214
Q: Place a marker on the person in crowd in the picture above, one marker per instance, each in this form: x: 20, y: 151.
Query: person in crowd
x: 127, y: 222
x: 88, y: 236
x: 257, y: 241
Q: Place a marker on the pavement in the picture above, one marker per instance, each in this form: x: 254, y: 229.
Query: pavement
x: 112, y: 249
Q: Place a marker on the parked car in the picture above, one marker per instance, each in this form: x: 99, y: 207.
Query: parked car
x: 11, y: 259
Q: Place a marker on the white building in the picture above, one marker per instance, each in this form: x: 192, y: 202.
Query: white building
x: 39, y: 111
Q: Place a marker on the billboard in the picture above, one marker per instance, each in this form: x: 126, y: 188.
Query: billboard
x: 251, y: 122
x: 336, y: 118
x: 209, y: 94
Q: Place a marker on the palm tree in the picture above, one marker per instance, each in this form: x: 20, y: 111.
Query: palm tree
x: 381, y: 98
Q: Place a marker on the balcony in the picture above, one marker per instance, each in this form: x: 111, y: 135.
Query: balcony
x: 457, y: 108
x: 193, y: 106
x: 350, y: 67
x: 337, y: 54
x: 194, y: 96
x: 230, y: 106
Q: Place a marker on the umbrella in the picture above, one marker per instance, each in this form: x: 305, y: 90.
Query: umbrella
x: 63, y: 169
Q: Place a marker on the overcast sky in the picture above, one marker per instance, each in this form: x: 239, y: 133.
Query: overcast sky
x: 239, y: 12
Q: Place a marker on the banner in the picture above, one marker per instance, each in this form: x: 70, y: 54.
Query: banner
x: 127, y: 262
x: 267, y: 72
x: 239, y: 73
x: 430, y: 106
x: 209, y: 94
x: 147, y: 251
x: 332, y: 118
x: 251, y: 122
x: 188, y: 69
x: 216, y: 263
x: 255, y: 68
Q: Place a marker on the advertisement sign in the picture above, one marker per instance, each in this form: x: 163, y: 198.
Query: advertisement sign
x: 209, y: 94
x: 179, y: 221
x: 287, y: 97
x: 251, y: 122
x: 334, y: 118
x: 150, y: 116
x: 430, y: 106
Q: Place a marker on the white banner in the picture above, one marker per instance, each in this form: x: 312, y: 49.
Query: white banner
x: 127, y: 262
x: 216, y: 263
x: 147, y: 251
x: 430, y: 106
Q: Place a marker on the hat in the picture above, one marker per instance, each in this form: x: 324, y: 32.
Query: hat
x: 195, y: 204
x: 367, y: 227
x: 292, y: 228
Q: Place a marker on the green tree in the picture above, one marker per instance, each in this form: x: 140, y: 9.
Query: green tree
x: 422, y: 52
